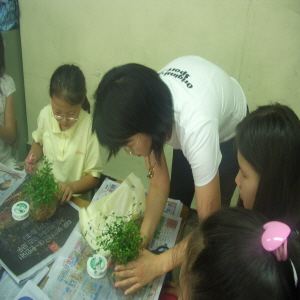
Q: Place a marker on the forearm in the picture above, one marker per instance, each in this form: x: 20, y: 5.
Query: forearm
x: 206, y: 208
x: 157, y: 198
x: 155, y: 205
x: 85, y: 184
x: 8, y: 134
x: 208, y: 198
x: 37, y: 149
x: 173, y: 257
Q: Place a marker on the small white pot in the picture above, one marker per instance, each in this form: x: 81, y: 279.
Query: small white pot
x: 20, y: 210
x: 97, y: 266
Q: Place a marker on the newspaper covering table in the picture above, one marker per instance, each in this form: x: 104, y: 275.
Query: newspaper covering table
x: 27, y: 246
x: 31, y: 292
x: 9, y: 288
x: 10, y: 180
x: 68, y: 278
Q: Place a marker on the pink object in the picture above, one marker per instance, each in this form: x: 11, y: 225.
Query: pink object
x: 164, y: 296
x: 275, y: 238
x: 31, y: 159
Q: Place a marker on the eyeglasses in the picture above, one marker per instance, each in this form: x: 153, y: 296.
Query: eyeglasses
x: 130, y: 150
x: 67, y: 118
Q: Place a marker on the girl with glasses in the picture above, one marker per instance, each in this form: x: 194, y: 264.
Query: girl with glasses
x: 65, y: 137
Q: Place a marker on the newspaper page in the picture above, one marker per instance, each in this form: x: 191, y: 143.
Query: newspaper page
x: 108, y: 186
x: 31, y: 292
x: 10, y: 180
x: 28, y: 246
x: 68, y: 278
x: 9, y: 288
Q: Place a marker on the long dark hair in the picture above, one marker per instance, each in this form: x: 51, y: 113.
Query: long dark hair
x: 269, y: 139
x: 68, y: 83
x: 132, y: 99
x: 225, y: 260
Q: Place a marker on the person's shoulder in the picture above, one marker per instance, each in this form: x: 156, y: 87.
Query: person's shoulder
x: 46, y: 110
x: 7, y: 78
x: 7, y: 81
x: 85, y: 116
x: 190, y: 61
x: 85, y: 119
x: 186, y: 66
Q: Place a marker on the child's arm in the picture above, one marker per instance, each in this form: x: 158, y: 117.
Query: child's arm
x: 85, y: 184
x: 37, y: 149
x: 8, y: 132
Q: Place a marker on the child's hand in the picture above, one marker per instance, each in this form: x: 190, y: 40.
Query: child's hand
x: 67, y: 191
x: 30, y: 164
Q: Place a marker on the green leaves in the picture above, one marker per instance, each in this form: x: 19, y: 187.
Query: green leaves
x: 122, y: 238
x: 42, y: 187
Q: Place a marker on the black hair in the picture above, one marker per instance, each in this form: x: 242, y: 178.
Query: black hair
x: 68, y: 83
x: 269, y: 139
x: 232, y: 263
x: 132, y: 99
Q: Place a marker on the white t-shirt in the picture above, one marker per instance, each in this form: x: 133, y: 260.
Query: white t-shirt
x: 208, y: 104
x: 7, y: 87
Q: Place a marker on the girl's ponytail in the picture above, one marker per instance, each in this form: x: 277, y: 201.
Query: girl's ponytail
x: 86, y: 105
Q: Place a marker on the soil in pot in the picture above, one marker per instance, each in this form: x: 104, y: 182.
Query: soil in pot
x: 44, y: 211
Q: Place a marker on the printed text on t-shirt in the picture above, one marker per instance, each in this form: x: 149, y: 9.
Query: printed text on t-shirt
x: 177, y: 73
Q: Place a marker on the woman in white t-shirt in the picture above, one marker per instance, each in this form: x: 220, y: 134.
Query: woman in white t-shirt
x: 8, y: 122
x: 192, y: 105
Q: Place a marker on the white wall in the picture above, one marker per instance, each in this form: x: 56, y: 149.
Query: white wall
x: 255, y: 41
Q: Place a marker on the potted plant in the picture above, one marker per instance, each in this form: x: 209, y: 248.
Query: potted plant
x: 120, y: 236
x: 42, y: 190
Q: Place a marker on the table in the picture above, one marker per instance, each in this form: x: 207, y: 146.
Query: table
x: 83, y: 203
x: 26, y: 246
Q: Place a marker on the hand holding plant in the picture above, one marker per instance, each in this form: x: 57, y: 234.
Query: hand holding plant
x: 67, y: 191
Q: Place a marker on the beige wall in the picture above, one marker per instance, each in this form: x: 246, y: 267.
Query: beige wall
x: 257, y: 42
